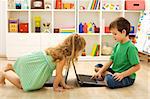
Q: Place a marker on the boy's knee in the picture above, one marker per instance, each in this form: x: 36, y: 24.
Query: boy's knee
x: 109, y: 80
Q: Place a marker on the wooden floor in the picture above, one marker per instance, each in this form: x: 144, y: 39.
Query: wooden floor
x: 140, y: 90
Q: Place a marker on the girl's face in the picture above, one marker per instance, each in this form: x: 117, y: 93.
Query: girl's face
x: 118, y: 36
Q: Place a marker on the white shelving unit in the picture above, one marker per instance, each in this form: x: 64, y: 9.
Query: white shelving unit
x: 18, y: 44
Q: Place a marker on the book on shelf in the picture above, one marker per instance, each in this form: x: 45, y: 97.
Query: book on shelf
x: 67, y: 30
x: 94, y: 5
x: 95, y: 50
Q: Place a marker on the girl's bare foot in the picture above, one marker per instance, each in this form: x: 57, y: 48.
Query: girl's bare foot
x: 2, y: 78
x: 8, y: 67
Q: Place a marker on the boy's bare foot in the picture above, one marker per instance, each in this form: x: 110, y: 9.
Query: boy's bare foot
x: 97, y: 69
x: 2, y: 78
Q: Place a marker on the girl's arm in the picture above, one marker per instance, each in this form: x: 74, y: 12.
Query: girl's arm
x: 59, y: 78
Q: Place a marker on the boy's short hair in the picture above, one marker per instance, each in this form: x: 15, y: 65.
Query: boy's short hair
x: 120, y: 23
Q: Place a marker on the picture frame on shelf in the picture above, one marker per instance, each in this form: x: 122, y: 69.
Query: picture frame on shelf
x: 37, y: 4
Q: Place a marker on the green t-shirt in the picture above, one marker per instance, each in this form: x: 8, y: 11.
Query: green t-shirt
x: 124, y: 56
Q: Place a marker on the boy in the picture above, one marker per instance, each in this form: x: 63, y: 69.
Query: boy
x: 124, y: 59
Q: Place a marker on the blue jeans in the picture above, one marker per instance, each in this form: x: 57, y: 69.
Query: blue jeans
x: 112, y: 83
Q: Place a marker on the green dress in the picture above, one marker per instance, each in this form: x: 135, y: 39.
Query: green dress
x: 34, y: 70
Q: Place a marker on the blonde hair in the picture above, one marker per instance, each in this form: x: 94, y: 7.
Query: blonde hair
x: 69, y: 49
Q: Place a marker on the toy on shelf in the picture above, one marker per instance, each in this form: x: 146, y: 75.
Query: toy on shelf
x: 85, y: 28
x: 110, y: 6
x: 88, y: 28
x: 132, y: 29
x: 37, y: 24
x: 68, y: 5
x: 25, y: 4
x: 83, y: 53
x: 18, y: 4
x: 106, y: 50
x: 11, y: 4
x: 107, y: 29
x: 56, y: 30
x: 59, y: 4
x: 13, y: 25
x: 96, y: 29
x: 82, y: 7
x: 46, y: 27
x: 48, y: 5
x: 37, y: 4
x: 23, y: 27
x: 80, y: 28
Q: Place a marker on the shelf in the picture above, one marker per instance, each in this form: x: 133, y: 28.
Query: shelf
x: 18, y: 10
x: 132, y: 34
x: 41, y: 10
x: 62, y: 18
x: 133, y: 11
x: 107, y: 34
x: 89, y: 34
x: 64, y: 10
x: 112, y: 11
x: 89, y: 10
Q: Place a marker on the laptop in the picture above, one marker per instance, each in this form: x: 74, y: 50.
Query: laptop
x: 49, y: 83
x: 83, y: 80
x: 86, y: 81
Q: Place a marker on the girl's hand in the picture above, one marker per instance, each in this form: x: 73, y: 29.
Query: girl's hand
x: 59, y: 89
x: 118, y: 76
x: 68, y: 87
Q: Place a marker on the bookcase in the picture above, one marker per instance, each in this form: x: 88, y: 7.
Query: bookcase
x: 48, y: 22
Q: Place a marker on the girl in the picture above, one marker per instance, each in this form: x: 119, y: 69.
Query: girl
x: 31, y: 71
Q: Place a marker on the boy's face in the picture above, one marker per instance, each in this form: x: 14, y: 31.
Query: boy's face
x: 117, y: 35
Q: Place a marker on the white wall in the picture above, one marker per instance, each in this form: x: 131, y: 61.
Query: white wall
x: 2, y: 28
x: 147, y: 4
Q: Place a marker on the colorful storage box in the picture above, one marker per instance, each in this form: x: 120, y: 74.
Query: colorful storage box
x: 13, y: 27
x: 135, y: 4
x: 23, y: 27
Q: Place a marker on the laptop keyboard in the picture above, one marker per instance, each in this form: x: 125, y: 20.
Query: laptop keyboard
x: 86, y: 78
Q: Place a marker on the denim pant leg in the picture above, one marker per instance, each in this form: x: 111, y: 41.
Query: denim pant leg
x: 112, y: 83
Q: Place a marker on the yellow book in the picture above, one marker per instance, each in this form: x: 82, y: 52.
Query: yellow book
x: 94, y: 50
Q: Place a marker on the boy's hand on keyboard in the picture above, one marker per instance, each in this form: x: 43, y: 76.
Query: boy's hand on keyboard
x: 98, y: 75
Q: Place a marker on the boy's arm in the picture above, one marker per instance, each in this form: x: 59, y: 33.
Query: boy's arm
x: 131, y: 70
x: 103, y: 69
x: 58, y: 79
x: 120, y: 76
x: 106, y: 66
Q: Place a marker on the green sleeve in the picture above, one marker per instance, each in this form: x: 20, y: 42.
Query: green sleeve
x: 133, y: 55
x: 112, y: 56
x: 113, y: 52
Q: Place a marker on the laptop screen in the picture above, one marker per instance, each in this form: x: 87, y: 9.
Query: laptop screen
x: 75, y: 71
